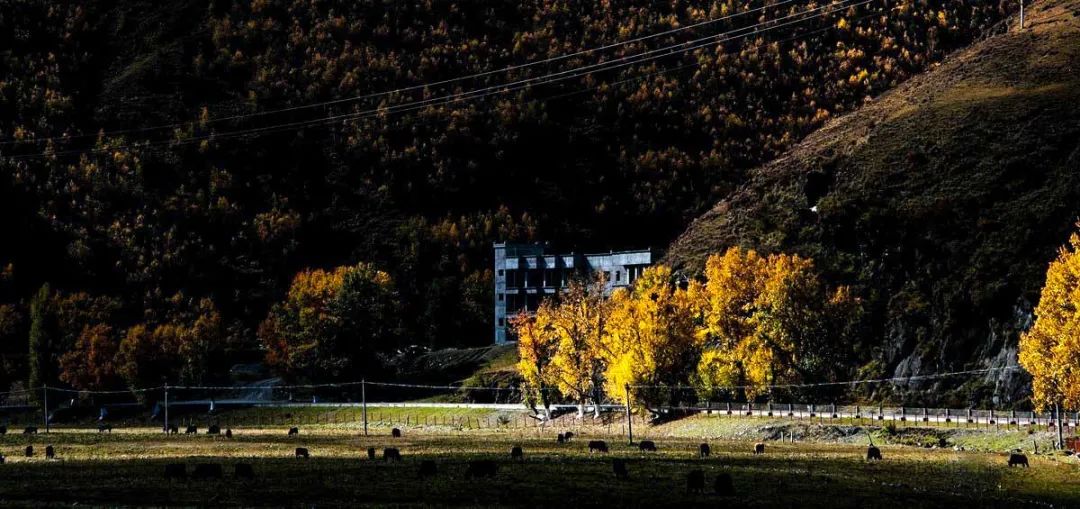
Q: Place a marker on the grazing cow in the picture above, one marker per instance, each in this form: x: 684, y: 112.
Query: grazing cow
x: 704, y: 451
x: 516, y: 453
x: 29, y: 451
x: 427, y: 469
x: 228, y: 433
x: 598, y: 446
x: 1017, y: 459
x: 396, y: 433
x: 50, y: 453
x: 294, y: 431
x: 873, y: 453
x: 647, y: 445
x: 371, y: 453
x: 3, y: 430
x: 569, y: 435
x: 723, y: 485
x: 30, y: 430
x: 695, y: 481
x: 213, y: 430
x: 243, y: 471
x: 172, y: 430
x: 191, y: 430
x: 481, y: 468
x: 207, y: 471
x: 176, y: 471
x: 619, y: 467
x: 561, y: 439
x: 391, y: 453
x: 104, y: 427
x: 302, y: 452
x: 759, y: 448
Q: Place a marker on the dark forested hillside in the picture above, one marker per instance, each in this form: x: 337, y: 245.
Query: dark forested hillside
x: 941, y: 203
x: 143, y: 179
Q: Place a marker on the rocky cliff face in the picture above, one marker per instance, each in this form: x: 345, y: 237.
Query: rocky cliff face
x: 941, y: 203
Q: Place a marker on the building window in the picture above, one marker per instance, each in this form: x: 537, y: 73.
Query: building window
x: 500, y: 322
x: 500, y: 272
x: 501, y: 297
x: 618, y: 276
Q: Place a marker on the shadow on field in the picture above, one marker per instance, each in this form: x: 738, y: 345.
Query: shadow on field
x: 788, y: 477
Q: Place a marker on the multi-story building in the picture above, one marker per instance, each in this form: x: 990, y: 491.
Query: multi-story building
x: 525, y: 274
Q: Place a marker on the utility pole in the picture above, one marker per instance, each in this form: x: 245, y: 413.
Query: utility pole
x: 1021, y: 14
x: 363, y: 402
x: 629, y: 419
x: 45, y: 405
x: 166, y: 409
x: 1060, y: 425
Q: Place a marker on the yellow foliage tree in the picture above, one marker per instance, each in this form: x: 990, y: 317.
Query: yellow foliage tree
x: 537, y: 343
x: 579, y: 323
x: 1050, y: 350
x: 650, y: 342
x: 760, y: 316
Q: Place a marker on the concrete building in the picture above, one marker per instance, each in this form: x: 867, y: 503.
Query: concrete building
x: 525, y: 274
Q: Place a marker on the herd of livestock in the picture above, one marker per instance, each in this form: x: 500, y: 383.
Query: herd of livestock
x: 695, y: 480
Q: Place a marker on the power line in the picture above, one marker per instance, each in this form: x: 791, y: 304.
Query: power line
x: 331, y: 385
x: 411, y: 87
x: 483, y: 92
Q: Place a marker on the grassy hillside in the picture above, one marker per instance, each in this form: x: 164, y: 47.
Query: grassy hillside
x: 941, y: 202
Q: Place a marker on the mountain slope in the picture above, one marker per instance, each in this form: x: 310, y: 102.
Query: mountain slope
x: 941, y: 202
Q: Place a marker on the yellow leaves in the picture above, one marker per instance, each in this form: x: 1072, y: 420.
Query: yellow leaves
x: 842, y: 24
x: 1050, y: 350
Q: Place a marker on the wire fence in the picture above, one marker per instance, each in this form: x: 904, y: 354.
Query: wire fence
x: 365, y: 405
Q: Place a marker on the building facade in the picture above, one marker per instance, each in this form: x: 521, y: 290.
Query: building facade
x: 525, y: 274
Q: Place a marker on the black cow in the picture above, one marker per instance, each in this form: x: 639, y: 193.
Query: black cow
x: 647, y: 445
x: 516, y: 453
x: 228, y: 433
x: 723, y: 485
x: 759, y: 448
x: 29, y: 451
x: 427, y: 469
x: 50, y: 453
x: 207, y: 471
x: 873, y: 453
x: 396, y: 433
x: 481, y: 468
x: 695, y: 481
x: 172, y: 429
x: 294, y: 431
x: 213, y: 430
x: 1, y: 459
x: 371, y: 453
x: 191, y: 430
x: 30, y: 430
x: 1017, y: 459
x: 391, y: 453
x: 561, y: 438
x: 704, y: 451
x: 3, y: 430
x: 598, y: 446
x: 176, y: 471
x: 243, y: 471
x: 104, y: 427
x: 619, y: 467
x: 569, y: 435
x: 302, y: 452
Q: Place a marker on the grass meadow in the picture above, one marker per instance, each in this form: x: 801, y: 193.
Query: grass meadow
x: 126, y: 467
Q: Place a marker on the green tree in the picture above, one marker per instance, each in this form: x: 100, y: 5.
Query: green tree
x: 333, y: 324
x: 42, y: 332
